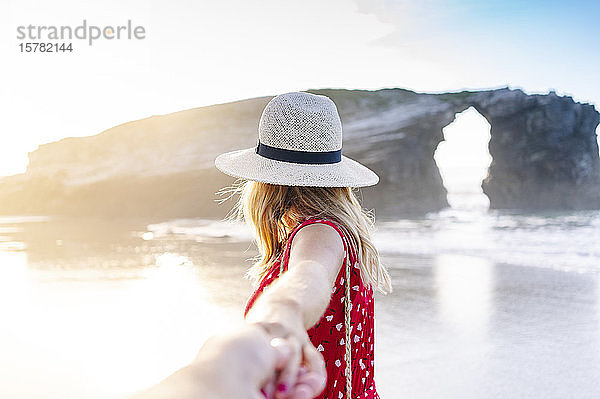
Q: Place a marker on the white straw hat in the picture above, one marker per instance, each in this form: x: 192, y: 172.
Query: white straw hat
x: 299, y: 144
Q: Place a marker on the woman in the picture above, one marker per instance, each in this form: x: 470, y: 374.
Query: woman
x: 318, y: 266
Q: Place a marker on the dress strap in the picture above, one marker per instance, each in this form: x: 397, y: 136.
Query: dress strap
x: 348, y: 249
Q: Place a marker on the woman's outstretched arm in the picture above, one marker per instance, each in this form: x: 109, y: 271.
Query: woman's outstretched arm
x: 298, y: 299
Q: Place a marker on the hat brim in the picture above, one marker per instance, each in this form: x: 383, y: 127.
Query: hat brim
x: 247, y: 164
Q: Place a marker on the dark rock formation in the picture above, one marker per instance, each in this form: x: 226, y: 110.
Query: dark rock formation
x: 544, y: 149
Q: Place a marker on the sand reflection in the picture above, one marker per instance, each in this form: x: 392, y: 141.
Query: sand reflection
x: 464, y: 287
x: 102, y: 319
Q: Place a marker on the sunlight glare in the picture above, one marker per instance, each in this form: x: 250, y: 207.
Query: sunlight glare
x: 464, y: 290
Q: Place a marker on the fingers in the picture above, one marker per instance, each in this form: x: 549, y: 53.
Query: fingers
x: 314, y: 362
x: 287, y: 376
x: 312, y: 375
x: 310, y: 379
x: 299, y: 370
x: 302, y: 391
x: 283, y: 352
x: 268, y: 390
x: 310, y: 383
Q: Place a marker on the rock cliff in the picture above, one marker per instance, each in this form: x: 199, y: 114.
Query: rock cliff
x: 544, y: 149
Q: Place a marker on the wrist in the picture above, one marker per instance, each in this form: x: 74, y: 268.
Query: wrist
x: 285, y: 310
x: 280, y: 318
x: 274, y: 329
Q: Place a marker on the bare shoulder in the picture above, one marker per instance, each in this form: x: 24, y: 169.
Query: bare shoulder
x: 319, y: 235
x: 319, y: 243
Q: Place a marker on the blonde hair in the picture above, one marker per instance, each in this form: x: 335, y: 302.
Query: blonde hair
x: 272, y: 211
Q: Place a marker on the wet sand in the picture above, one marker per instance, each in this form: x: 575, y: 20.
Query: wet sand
x: 460, y: 327
x: 103, y: 314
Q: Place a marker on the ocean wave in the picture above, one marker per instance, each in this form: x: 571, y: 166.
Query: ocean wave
x: 200, y: 230
x: 562, y: 241
x: 568, y: 241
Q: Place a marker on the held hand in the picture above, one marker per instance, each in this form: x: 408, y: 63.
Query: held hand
x: 233, y: 365
x: 303, y: 374
x: 248, y: 363
x: 308, y: 385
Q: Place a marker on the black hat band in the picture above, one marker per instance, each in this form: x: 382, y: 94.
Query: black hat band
x: 305, y: 157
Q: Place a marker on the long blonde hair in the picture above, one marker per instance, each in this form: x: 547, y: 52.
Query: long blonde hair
x: 272, y: 211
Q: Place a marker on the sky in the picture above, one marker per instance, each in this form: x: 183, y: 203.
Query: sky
x: 197, y: 53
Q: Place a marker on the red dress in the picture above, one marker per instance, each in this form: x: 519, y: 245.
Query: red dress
x: 329, y: 332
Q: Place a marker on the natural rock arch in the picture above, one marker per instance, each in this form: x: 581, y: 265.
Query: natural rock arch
x: 544, y: 149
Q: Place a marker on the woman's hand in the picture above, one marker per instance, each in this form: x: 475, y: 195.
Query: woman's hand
x: 303, y: 375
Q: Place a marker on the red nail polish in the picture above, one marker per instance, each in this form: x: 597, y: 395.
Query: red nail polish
x: 282, y: 387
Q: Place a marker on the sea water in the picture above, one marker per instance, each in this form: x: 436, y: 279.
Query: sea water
x: 561, y: 240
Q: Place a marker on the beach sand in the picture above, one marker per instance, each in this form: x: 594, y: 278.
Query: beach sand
x: 99, y: 313
x: 461, y: 327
